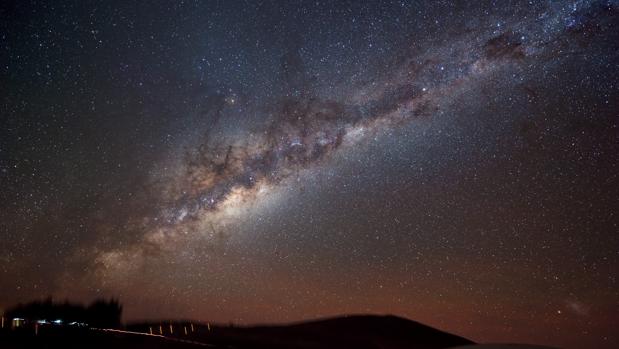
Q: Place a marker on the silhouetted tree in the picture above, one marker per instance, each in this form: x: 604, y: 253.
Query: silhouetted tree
x: 104, y: 314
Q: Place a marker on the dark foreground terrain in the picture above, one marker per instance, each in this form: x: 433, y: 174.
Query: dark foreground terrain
x: 87, y: 338
x: 359, y: 332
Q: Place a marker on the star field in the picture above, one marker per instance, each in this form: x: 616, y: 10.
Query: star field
x: 255, y: 162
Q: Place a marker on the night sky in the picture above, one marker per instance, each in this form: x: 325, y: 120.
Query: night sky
x: 266, y: 162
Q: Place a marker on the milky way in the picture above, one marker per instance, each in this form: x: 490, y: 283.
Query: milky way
x: 453, y: 164
x: 305, y: 128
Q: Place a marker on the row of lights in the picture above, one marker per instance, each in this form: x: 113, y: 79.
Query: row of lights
x: 18, y: 322
x: 191, y: 328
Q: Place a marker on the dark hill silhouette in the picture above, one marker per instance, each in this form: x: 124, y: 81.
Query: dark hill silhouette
x: 504, y: 346
x: 363, y: 331
x: 358, y: 331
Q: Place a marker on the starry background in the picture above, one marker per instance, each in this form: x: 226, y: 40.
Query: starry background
x: 259, y: 161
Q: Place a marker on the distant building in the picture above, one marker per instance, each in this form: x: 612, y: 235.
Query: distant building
x: 18, y: 322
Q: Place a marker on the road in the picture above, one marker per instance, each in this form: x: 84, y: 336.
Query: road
x: 171, y: 339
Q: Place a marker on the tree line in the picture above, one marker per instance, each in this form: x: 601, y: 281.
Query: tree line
x: 100, y: 313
